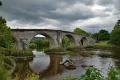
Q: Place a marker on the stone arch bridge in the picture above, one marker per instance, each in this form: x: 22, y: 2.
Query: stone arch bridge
x: 22, y: 37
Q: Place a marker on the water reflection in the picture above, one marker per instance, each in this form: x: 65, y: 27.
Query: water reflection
x: 21, y: 68
x: 40, y: 62
x: 48, y: 65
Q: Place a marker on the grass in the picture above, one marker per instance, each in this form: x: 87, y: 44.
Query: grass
x: 75, y: 47
x: 103, y: 45
x: 63, y: 50
x: 16, y: 53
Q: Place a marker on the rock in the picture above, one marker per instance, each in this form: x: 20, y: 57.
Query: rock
x: 70, y: 62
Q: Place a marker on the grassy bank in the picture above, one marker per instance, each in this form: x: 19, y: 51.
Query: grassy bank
x: 7, y: 63
x: 63, y: 50
x: 103, y: 45
x: 56, y: 51
x: 16, y: 53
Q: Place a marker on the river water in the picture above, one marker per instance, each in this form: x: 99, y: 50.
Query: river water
x: 48, y: 67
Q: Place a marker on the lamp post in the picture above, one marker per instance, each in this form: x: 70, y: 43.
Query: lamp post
x: 93, y: 31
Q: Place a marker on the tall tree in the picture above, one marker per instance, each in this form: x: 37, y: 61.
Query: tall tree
x: 80, y: 31
x: 96, y: 35
x: 115, y: 34
x: 5, y: 34
x: 103, y: 35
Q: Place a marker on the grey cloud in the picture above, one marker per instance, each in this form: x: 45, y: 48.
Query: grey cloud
x: 105, y: 2
x: 62, y: 11
x: 32, y: 10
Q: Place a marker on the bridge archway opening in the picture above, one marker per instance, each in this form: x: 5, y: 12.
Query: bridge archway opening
x: 84, y: 41
x: 40, y: 41
x: 68, y: 40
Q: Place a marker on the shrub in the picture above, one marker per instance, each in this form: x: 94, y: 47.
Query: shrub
x: 33, y: 45
x: 92, y: 73
x: 113, y: 74
x: 21, y: 53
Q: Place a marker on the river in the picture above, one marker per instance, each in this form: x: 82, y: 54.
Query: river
x: 48, y: 67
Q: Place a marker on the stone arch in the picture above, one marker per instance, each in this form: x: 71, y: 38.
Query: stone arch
x: 72, y: 39
x: 50, y: 38
x: 84, y: 41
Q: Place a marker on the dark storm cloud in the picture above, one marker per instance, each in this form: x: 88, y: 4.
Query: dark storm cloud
x: 29, y: 10
x: 59, y: 14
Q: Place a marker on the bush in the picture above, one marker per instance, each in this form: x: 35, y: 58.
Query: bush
x: 21, y: 53
x: 113, y: 74
x: 92, y: 73
x: 33, y: 45
x: 3, y: 67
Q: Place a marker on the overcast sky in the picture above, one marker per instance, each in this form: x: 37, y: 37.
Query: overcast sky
x: 89, y: 15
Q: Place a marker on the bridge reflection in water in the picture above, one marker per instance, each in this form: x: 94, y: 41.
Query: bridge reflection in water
x: 48, y: 65
x: 43, y: 64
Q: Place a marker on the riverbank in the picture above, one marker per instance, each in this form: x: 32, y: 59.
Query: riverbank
x: 16, y: 53
x: 63, y: 50
x: 103, y: 45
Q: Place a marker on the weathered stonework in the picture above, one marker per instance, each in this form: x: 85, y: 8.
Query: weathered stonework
x: 22, y: 37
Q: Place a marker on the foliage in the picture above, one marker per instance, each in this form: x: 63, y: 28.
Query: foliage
x: 113, y: 74
x: 115, y: 34
x: 15, y: 53
x: 96, y: 35
x: 32, y: 76
x: 40, y: 42
x: 4, y: 66
x: 103, y: 35
x: 5, y: 35
x: 103, y: 45
x: 5, y: 51
x: 21, y: 53
x: 66, y: 41
x: 80, y: 31
x: 33, y: 45
x: 92, y: 73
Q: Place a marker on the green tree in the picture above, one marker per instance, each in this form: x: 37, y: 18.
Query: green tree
x: 5, y: 34
x: 80, y: 31
x: 115, y: 34
x: 41, y: 42
x: 96, y: 35
x: 103, y: 35
x: 66, y: 42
